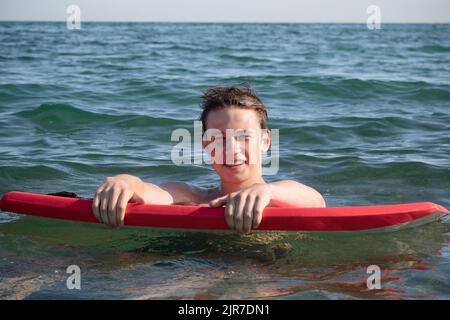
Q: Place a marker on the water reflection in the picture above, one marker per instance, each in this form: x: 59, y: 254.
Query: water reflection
x: 153, y: 264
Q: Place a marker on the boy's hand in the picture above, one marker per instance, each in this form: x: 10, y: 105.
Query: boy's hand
x: 244, y: 208
x: 111, y: 199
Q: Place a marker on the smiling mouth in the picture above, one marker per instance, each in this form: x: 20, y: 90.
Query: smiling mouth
x: 234, y: 165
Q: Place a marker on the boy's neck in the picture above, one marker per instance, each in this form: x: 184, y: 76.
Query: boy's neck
x: 226, y: 188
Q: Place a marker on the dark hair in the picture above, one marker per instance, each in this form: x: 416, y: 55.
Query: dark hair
x: 215, y: 98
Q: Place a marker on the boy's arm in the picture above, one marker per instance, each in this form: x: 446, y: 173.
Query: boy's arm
x: 290, y: 193
x: 112, y: 197
x: 244, y: 208
x: 165, y: 193
x: 145, y: 192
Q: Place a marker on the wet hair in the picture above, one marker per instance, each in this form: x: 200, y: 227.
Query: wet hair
x: 216, y: 98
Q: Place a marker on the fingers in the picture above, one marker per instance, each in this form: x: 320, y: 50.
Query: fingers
x: 218, y: 202
x: 112, y: 204
x: 239, y: 213
x: 258, y: 209
x: 104, y: 200
x: 121, y: 207
x: 96, y: 204
x: 229, y: 212
x: 228, y: 201
x: 244, y: 211
x: 248, y: 215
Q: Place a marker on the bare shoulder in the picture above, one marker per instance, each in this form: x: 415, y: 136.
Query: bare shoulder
x: 187, y: 193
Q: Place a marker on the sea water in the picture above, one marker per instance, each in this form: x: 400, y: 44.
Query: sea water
x: 363, y: 116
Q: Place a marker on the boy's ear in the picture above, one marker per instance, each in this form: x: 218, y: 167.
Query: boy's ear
x: 266, y: 138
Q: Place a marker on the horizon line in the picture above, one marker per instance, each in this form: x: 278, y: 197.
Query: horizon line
x: 227, y: 22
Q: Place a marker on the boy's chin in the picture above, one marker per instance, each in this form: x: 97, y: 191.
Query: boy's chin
x: 232, y: 173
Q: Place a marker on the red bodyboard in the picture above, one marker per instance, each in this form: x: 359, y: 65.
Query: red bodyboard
x: 198, y: 217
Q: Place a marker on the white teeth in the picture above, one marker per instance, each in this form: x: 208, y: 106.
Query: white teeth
x: 233, y: 165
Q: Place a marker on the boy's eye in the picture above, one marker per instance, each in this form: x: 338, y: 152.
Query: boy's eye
x: 239, y: 138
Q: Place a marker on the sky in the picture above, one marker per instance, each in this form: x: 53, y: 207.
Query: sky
x: 328, y: 11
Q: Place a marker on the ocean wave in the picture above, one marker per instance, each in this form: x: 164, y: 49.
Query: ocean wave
x: 415, y: 172
x: 320, y: 132
x: 63, y: 116
x: 247, y: 58
x: 10, y: 174
x: 427, y: 94
x: 358, y: 88
x: 348, y: 88
x: 10, y: 91
x: 436, y: 48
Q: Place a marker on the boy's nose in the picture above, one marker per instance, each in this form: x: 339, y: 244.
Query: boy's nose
x: 236, y: 145
x: 234, y: 151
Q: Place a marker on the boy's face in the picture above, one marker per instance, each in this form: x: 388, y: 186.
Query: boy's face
x: 236, y: 153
